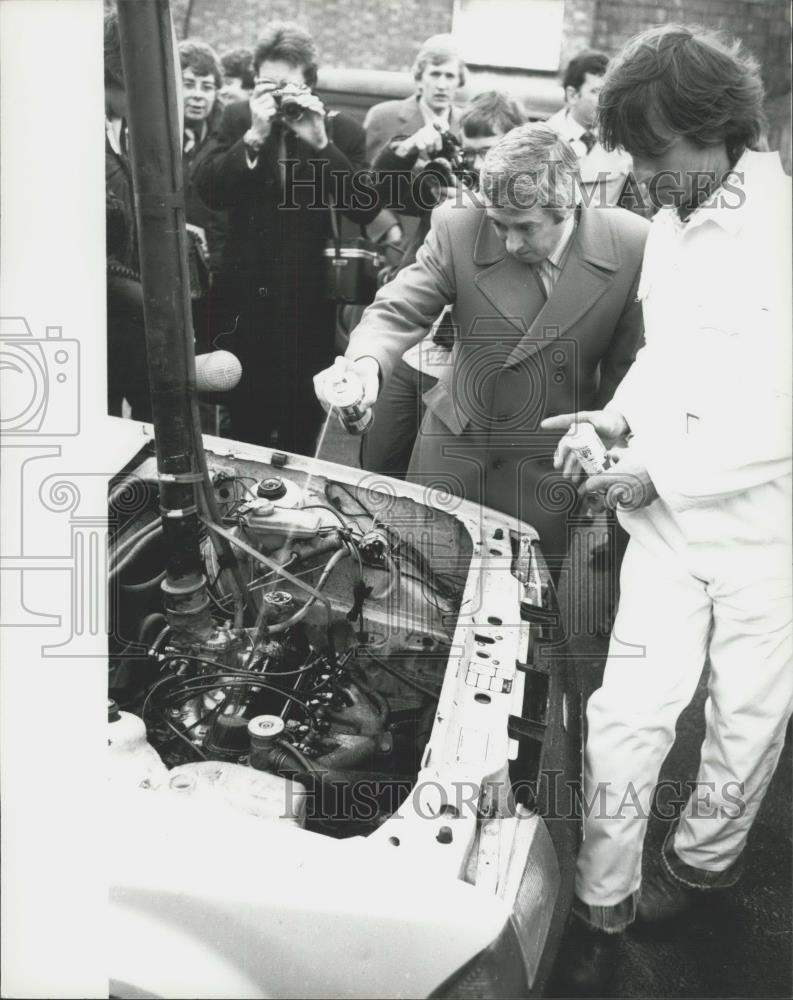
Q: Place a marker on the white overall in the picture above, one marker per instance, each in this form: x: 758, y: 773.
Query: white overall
x: 707, y: 573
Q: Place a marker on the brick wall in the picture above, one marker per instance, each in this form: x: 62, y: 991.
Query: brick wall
x: 763, y: 26
x: 355, y: 34
x: 386, y: 34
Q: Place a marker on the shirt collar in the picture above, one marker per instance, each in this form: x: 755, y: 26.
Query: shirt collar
x: 113, y: 130
x: 574, y: 128
x: 430, y: 117
x: 729, y: 204
x: 556, y: 256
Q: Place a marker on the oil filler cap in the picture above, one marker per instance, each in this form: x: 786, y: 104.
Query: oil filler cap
x: 264, y: 729
x: 271, y: 489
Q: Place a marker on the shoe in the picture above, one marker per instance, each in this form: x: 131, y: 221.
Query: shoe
x: 586, y: 962
x: 662, y: 899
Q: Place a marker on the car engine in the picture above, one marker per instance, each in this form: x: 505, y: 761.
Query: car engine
x: 328, y: 677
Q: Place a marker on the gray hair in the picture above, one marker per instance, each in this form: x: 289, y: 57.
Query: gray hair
x: 531, y: 165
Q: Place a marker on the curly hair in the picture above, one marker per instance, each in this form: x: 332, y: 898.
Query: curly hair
x: 286, y: 41
x: 435, y: 50
x: 491, y: 113
x: 685, y: 81
x: 201, y: 59
x: 531, y: 165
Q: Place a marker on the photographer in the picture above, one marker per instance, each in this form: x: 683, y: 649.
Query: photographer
x: 387, y: 446
x: 279, y: 163
x: 418, y: 120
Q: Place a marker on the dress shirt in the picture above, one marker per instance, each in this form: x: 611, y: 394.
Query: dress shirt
x: 549, y: 269
x: 114, y: 130
x: 598, y: 166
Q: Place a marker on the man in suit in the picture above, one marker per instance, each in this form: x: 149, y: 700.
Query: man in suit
x: 603, y: 172
x: 388, y: 445
x: 543, y: 295
x: 277, y: 168
x: 439, y: 72
x: 417, y: 122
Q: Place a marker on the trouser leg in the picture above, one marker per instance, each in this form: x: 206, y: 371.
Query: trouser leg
x: 655, y: 659
x: 750, y: 693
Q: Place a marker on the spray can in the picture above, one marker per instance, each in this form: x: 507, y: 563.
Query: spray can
x: 589, y: 449
x: 344, y: 391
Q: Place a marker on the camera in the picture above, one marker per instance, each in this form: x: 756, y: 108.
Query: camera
x: 448, y: 169
x: 288, y: 108
x: 450, y: 160
x: 41, y: 380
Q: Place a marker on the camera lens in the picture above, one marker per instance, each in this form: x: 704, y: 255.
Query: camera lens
x: 291, y: 110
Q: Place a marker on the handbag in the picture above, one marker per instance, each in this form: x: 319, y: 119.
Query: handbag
x: 352, y: 264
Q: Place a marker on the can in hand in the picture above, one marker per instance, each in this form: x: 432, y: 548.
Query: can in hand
x: 590, y: 451
x: 344, y: 391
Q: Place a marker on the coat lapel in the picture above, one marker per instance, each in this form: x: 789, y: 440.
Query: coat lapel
x: 410, y: 116
x: 587, y: 273
x: 508, y: 285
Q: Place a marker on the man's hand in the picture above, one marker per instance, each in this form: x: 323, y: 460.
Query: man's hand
x: 263, y: 110
x: 426, y: 141
x: 366, y: 371
x: 626, y: 484
x: 310, y: 126
x: 611, y: 427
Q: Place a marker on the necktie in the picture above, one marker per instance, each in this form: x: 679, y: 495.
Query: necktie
x: 589, y: 139
x: 535, y: 270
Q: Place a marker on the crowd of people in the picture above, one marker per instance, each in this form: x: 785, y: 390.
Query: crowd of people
x: 257, y: 269
x: 525, y: 291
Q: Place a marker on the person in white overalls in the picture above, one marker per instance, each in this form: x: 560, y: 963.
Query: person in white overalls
x: 700, y: 474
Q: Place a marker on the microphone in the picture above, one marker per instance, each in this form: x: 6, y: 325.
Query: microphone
x: 217, y: 371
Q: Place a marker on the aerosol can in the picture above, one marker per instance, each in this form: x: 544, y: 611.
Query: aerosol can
x: 591, y: 453
x: 589, y: 449
x: 344, y: 391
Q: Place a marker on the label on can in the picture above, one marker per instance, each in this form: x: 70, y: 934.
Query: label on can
x: 345, y: 393
x: 588, y: 448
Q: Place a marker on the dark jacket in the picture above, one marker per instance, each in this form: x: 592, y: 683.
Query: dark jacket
x: 389, y: 118
x: 274, y: 267
x: 274, y: 249
x: 118, y: 183
x: 214, y: 222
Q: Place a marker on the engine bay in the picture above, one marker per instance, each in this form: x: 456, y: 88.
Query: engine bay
x: 329, y: 675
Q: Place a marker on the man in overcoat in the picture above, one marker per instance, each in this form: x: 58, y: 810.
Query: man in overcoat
x: 278, y: 175
x: 543, y: 300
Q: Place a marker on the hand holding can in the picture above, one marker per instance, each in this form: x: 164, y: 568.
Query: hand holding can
x: 350, y: 387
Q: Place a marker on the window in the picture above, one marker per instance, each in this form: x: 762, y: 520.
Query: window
x: 521, y: 34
